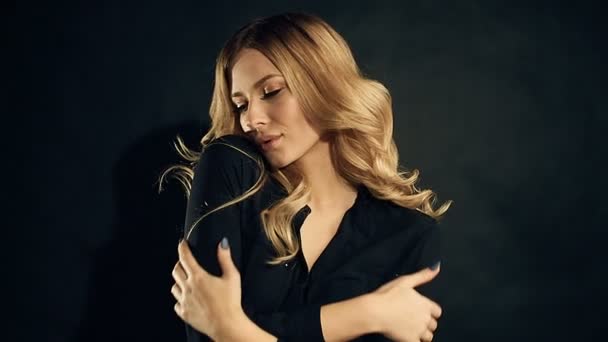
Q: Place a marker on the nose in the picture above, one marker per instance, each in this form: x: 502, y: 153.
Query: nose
x: 255, y: 116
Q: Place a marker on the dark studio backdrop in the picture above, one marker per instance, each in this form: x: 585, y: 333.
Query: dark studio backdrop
x: 499, y: 104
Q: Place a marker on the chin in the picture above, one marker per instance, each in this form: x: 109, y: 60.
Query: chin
x: 279, y: 164
x: 275, y: 162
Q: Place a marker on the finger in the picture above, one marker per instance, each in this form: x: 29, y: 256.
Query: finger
x: 178, y: 310
x: 421, y: 277
x: 432, y: 325
x: 427, y: 336
x: 435, y: 310
x: 176, y: 291
x: 224, y: 258
x: 185, y: 256
x: 178, y: 274
x: 187, y: 260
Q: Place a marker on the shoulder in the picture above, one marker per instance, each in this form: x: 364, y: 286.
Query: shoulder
x: 233, y: 147
x: 232, y: 158
x: 233, y: 151
x: 388, y: 218
x: 412, y: 231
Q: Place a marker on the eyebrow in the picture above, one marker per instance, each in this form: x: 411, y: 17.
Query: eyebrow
x: 257, y: 83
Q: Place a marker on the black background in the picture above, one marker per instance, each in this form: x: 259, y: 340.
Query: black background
x: 501, y: 105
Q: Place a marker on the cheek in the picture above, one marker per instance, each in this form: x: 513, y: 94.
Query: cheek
x: 288, y: 117
x: 290, y: 114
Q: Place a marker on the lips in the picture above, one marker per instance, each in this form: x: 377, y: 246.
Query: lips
x: 267, y: 138
x: 269, y: 143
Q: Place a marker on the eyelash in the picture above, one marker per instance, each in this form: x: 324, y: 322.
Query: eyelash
x: 239, y: 110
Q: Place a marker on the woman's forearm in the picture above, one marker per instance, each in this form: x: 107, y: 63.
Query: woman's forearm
x: 243, y: 329
x: 349, y: 319
x: 340, y: 321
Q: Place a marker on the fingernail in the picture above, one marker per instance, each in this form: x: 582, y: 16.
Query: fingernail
x: 435, y: 266
x: 224, y: 244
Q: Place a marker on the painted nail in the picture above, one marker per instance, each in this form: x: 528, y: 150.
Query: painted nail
x: 435, y: 266
x: 224, y: 244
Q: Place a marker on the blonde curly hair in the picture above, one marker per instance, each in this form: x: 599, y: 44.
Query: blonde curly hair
x: 353, y: 110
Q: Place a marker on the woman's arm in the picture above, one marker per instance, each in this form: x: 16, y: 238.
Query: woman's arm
x: 395, y: 309
x: 212, y: 305
x: 218, y: 178
x: 340, y: 321
x: 350, y: 318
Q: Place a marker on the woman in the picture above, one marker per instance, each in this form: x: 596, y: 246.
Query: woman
x: 299, y: 177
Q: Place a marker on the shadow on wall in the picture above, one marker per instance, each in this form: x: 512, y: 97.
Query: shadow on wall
x: 129, y: 295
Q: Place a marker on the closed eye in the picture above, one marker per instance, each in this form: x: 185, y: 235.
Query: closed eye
x: 272, y: 93
x: 239, y: 109
x: 266, y: 96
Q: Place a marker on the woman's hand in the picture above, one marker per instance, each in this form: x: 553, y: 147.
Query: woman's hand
x: 210, y: 304
x: 402, y: 313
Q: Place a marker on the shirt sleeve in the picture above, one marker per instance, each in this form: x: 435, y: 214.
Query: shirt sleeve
x: 425, y: 253
x: 301, y: 325
x: 218, y: 178
x: 421, y: 245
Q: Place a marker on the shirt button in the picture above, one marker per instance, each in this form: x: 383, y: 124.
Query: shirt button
x: 286, y: 264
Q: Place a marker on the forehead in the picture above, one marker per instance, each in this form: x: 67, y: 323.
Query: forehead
x: 250, y: 66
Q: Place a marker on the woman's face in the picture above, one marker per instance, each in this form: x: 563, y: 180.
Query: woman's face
x: 265, y: 103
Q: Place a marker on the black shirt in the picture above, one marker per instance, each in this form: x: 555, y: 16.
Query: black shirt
x: 376, y: 241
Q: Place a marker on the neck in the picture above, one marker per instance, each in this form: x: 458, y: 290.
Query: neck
x: 329, y: 191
